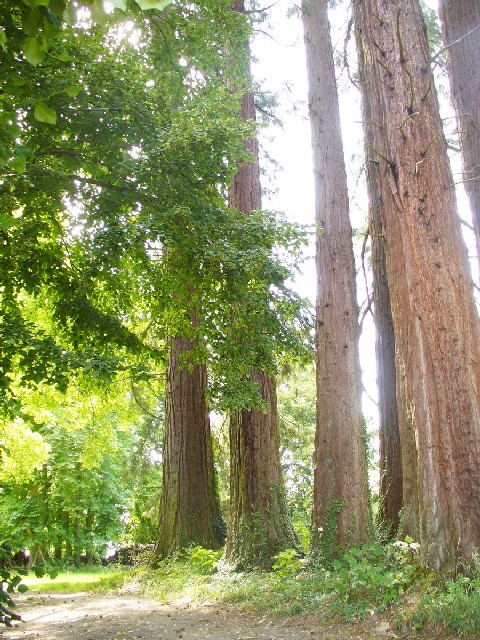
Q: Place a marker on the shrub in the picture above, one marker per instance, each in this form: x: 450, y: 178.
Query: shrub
x: 373, y: 576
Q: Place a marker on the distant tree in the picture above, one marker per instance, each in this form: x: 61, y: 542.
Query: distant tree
x: 69, y: 505
x: 461, y: 34
x: 340, y: 470
x: 436, y: 324
x: 296, y: 407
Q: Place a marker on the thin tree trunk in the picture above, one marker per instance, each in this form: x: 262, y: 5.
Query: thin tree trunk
x: 340, y: 476
x: 259, y: 525
x: 77, y: 549
x: 461, y: 34
x: 391, y: 478
x: 436, y: 324
x: 89, y: 520
x: 189, y: 510
x: 68, y: 537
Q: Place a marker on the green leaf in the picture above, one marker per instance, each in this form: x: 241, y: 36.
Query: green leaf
x: 57, y: 6
x: 153, y: 4
x: 51, y: 17
x: 33, y: 51
x: 73, y: 90
x: 4, y: 155
x: 22, y: 588
x: 98, y: 12
x: 36, y: 3
x: 32, y: 21
x: 18, y: 164
x: 119, y: 4
x: 3, y: 39
x: 70, y: 15
x: 22, y: 152
x: 6, y: 221
x: 43, y: 113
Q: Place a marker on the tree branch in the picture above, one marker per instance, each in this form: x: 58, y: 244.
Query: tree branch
x: 446, y: 47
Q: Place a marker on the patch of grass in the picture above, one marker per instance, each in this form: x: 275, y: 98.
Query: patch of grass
x: 452, y: 608
x: 88, y: 578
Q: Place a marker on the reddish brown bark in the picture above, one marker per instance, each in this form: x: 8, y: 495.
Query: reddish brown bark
x: 189, y: 509
x: 436, y: 324
x: 259, y: 526
x: 340, y: 474
x: 391, y: 481
x: 461, y: 33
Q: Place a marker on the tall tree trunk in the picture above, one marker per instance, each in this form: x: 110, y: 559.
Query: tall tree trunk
x: 340, y: 476
x: 68, y: 537
x: 391, y: 479
x: 189, y: 509
x: 436, y: 324
x: 89, y: 520
x: 461, y: 33
x: 259, y: 526
x: 77, y: 543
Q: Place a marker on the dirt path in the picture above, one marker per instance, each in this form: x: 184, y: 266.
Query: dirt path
x: 84, y: 616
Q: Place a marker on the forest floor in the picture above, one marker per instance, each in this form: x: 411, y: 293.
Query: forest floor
x: 94, y: 616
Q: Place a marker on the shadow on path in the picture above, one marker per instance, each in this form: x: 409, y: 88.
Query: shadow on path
x: 84, y: 616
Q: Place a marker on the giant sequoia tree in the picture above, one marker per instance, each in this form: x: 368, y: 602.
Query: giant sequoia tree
x: 390, y: 461
x: 461, y: 34
x: 436, y: 324
x: 259, y: 525
x: 340, y: 476
x: 189, y: 508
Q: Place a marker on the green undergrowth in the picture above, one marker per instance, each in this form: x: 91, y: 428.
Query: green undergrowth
x: 451, y: 607
x: 362, y: 580
x: 88, y: 578
x: 375, y: 579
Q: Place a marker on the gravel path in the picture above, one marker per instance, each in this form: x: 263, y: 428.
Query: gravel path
x: 84, y: 616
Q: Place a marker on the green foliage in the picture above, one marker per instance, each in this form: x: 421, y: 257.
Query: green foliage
x: 9, y: 582
x: 324, y: 546
x: 373, y: 576
x: 117, y: 157
x: 296, y: 393
x: 287, y: 562
x: 454, y: 608
x: 70, y: 503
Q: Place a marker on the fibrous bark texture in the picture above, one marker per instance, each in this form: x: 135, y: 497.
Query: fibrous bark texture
x: 259, y: 526
x: 436, y: 324
x: 189, y: 509
x: 340, y: 475
x: 391, y: 481
x: 461, y: 34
